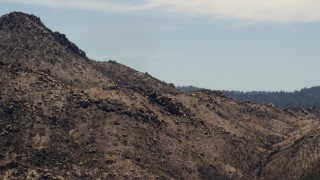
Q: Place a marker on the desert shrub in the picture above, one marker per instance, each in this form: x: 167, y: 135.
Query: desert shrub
x: 51, y: 158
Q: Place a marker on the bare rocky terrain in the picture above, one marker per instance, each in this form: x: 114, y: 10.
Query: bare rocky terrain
x: 64, y: 116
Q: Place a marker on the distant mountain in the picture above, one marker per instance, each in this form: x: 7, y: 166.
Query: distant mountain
x: 305, y: 98
x: 65, y: 116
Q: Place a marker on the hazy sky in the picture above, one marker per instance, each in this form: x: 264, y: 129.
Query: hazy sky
x: 216, y: 44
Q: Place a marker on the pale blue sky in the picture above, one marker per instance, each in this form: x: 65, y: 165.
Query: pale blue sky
x: 193, y: 44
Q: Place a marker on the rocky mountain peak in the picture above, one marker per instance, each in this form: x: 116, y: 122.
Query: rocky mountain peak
x: 19, y: 20
x: 31, y: 25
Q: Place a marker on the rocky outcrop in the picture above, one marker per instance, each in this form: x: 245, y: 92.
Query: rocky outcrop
x: 63, y: 40
x: 175, y: 108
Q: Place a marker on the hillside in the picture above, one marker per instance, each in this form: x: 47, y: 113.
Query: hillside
x: 304, y: 99
x: 65, y: 116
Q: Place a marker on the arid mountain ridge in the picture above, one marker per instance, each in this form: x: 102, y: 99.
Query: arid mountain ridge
x: 65, y: 116
x: 304, y: 99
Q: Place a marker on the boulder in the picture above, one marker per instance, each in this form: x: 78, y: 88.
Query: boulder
x: 84, y: 103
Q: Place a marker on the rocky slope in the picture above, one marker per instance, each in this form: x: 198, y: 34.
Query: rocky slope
x: 64, y: 116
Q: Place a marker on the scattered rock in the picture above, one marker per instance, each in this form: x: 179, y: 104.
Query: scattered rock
x: 11, y: 128
x: 110, y: 161
x: 4, y: 132
x: 9, y: 109
x: 270, y: 105
x: 311, y: 136
x: 84, y: 103
x: 111, y: 106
